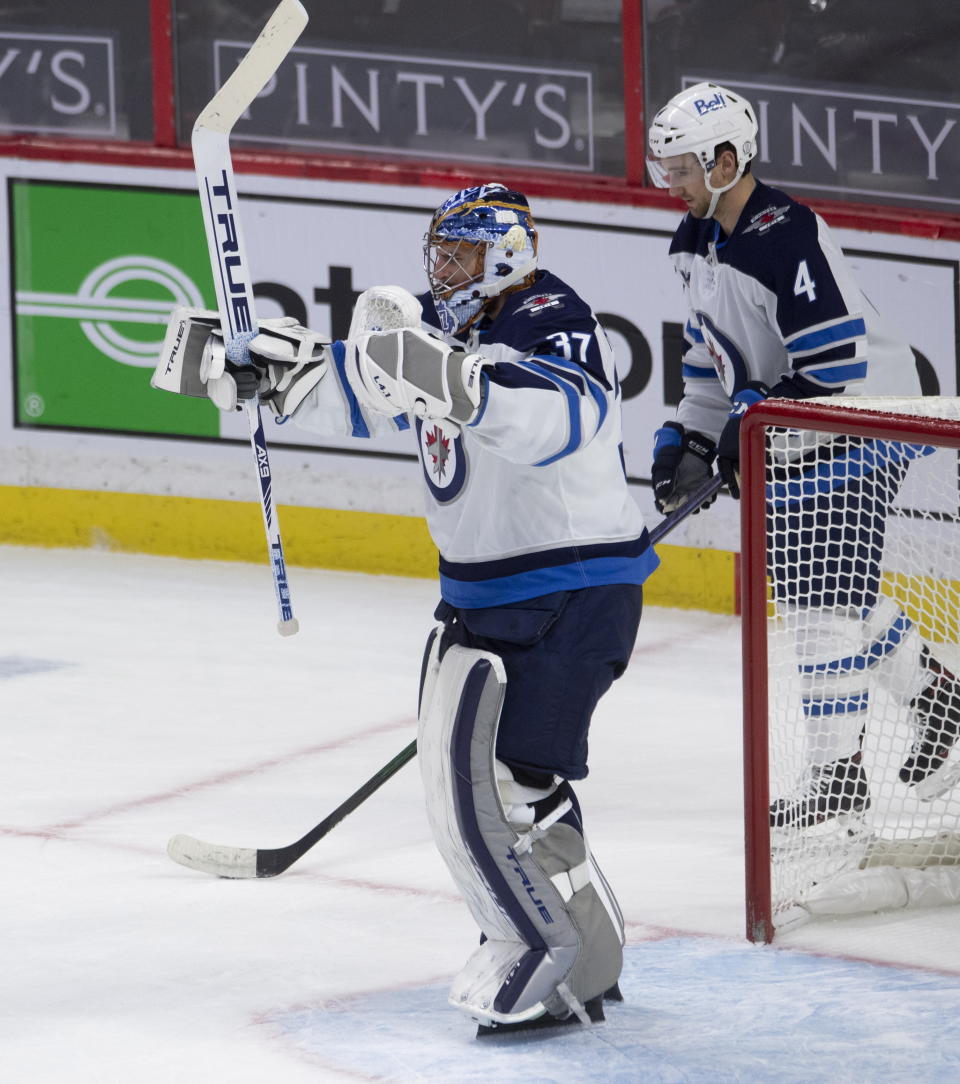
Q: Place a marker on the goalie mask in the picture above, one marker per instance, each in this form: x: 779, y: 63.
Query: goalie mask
x: 481, y: 242
x: 695, y: 122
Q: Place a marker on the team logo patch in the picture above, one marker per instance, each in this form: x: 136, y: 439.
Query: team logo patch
x: 717, y: 358
x: 437, y: 446
x: 536, y: 304
x: 444, y: 463
x: 762, y: 221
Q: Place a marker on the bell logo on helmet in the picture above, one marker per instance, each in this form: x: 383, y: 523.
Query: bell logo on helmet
x: 708, y: 105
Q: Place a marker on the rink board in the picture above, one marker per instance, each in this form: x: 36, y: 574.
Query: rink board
x: 82, y: 325
x: 355, y: 541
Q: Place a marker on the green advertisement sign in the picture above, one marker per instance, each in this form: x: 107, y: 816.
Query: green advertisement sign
x: 96, y: 272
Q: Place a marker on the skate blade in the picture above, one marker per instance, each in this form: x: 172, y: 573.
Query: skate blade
x: 847, y: 830
x: 594, y: 1009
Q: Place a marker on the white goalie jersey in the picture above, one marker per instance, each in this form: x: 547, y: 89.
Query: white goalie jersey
x: 530, y: 497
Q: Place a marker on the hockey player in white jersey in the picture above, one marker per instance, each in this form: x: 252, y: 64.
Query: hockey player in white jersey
x: 506, y: 383
x: 774, y: 311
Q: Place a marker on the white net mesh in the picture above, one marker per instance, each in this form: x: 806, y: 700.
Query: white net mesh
x: 863, y: 566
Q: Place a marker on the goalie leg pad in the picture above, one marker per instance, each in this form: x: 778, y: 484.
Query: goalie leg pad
x: 551, y: 943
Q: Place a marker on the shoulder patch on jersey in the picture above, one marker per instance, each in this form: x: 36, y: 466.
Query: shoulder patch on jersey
x: 537, y: 303
x: 767, y: 218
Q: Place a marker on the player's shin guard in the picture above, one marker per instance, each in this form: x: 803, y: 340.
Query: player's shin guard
x: 839, y: 653
x: 553, y: 936
x: 834, y: 681
x: 894, y: 650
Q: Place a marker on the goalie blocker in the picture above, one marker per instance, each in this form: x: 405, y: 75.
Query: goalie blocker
x: 391, y: 369
x: 287, y: 362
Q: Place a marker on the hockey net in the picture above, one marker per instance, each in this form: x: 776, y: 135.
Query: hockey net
x: 817, y: 845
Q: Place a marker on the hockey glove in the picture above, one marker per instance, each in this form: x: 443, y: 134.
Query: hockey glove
x: 410, y: 371
x: 287, y: 362
x: 728, y: 448
x: 682, y: 460
x: 291, y: 360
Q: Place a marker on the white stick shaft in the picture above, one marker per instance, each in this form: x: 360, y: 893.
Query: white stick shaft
x: 228, y: 254
x: 228, y: 251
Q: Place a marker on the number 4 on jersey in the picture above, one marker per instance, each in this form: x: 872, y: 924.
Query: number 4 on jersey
x: 804, y: 284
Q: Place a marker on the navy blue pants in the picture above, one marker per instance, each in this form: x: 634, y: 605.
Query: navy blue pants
x: 561, y: 653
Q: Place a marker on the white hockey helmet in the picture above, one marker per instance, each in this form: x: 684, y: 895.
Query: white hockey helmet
x: 491, y: 215
x: 696, y: 121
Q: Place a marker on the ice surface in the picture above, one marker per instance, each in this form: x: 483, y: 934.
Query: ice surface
x: 143, y: 696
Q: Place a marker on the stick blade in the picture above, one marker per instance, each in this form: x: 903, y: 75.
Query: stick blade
x: 219, y: 861
x: 255, y: 69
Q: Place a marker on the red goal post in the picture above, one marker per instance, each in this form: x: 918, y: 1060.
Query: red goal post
x: 871, y: 865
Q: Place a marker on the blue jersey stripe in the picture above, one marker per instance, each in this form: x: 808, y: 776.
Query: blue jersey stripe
x: 693, y: 332
x: 835, y: 375
x: 698, y: 372
x: 595, y: 572
x: 513, y: 375
x: 592, y: 384
x: 484, y: 398
x: 812, y: 340
x: 357, y: 422
x: 573, y: 411
x: 570, y: 554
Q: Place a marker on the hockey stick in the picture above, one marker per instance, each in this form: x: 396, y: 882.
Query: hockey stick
x: 244, y: 862
x: 228, y: 255
x: 698, y: 497
x: 247, y: 862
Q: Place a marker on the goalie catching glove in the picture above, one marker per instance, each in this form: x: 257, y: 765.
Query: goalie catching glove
x: 287, y: 362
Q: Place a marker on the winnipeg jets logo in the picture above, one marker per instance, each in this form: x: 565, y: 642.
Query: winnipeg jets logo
x: 717, y: 359
x: 536, y: 304
x: 727, y: 357
x: 763, y: 220
x: 444, y: 460
x: 438, y: 449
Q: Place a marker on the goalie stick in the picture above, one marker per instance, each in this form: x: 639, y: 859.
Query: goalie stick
x: 247, y: 862
x: 228, y: 256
